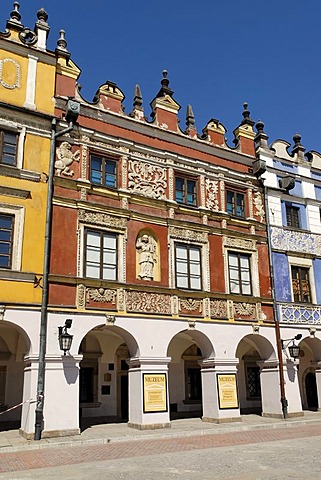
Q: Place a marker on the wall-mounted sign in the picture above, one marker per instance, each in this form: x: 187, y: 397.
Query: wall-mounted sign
x: 227, y: 391
x: 155, y: 392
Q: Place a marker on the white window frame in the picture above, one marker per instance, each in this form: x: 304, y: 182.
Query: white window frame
x: 254, y: 269
x: 121, y: 253
x: 18, y: 212
x: 305, y: 263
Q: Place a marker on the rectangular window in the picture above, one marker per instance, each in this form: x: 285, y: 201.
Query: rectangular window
x: 188, y: 267
x: 8, y: 148
x: 6, y: 240
x: 301, y: 284
x: 235, y: 203
x: 240, y: 273
x: 103, y: 171
x: 185, y: 191
x: 292, y: 216
x: 101, y: 255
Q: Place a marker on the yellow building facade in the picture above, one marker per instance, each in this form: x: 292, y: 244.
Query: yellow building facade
x: 27, y: 81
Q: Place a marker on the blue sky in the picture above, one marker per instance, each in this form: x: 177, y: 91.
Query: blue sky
x: 218, y: 55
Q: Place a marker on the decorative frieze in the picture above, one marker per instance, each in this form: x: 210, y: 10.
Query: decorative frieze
x: 218, y: 309
x: 294, y: 241
x: 190, y: 305
x: 102, y: 219
x: 297, y: 314
x: 244, y: 309
x: 81, y: 296
x: 102, y: 295
x: 65, y: 157
x: 239, y: 243
x: 148, y: 303
x: 146, y: 179
x: 212, y: 195
x: 185, y: 234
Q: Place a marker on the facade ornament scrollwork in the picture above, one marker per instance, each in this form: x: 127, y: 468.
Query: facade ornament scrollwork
x: 65, y: 157
x: 102, y: 219
x: 175, y: 304
x: 146, y: 179
x: 148, y: 302
x: 218, y: 309
x: 103, y: 295
x: 185, y: 234
x: 121, y: 300
x: 84, y: 161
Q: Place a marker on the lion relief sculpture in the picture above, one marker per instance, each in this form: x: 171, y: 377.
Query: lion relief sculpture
x: 65, y: 157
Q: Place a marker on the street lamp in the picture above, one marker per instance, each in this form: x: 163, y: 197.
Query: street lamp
x: 294, y: 350
x: 65, y: 339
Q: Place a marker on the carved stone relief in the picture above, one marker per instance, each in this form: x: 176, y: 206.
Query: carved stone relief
x: 239, y: 243
x: 103, y: 295
x: 258, y: 206
x: 146, y: 179
x: 9, y: 73
x: 244, y: 309
x: 147, y: 256
x: 218, y: 308
x: 211, y: 194
x: 102, y: 219
x: 65, y: 157
x: 148, y: 302
x: 81, y: 296
x: 190, y: 304
x: 185, y: 234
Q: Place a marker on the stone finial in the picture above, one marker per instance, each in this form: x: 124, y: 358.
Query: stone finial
x: 261, y: 137
x: 298, y: 148
x: 190, y: 119
x: 165, y: 89
x: 15, y: 15
x: 247, y: 120
x: 138, y: 99
x: 42, y: 16
x: 61, y: 49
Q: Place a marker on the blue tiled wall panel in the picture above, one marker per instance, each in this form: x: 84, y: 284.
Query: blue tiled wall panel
x: 281, y: 277
x: 317, y: 278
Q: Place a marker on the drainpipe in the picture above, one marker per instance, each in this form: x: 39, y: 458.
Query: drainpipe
x: 284, y: 402
x: 71, y: 116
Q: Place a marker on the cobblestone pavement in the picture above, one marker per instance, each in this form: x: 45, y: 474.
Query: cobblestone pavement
x: 288, y: 453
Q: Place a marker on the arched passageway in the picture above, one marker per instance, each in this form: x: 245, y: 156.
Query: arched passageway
x: 103, y: 378
x: 14, y: 345
x: 187, y: 349
x: 309, y: 372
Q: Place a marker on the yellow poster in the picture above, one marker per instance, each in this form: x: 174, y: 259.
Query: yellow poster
x: 227, y: 391
x: 155, y: 393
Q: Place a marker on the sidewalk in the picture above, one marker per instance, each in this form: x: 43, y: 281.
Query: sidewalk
x: 11, y: 441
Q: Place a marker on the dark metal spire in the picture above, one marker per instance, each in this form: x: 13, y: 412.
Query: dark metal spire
x: 138, y: 99
x: 165, y: 89
x: 15, y: 15
x: 247, y: 120
x: 42, y: 16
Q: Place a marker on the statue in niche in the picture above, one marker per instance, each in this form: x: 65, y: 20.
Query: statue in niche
x: 146, y: 248
x: 65, y: 157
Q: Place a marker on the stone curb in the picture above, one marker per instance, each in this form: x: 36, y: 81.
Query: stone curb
x: 76, y: 441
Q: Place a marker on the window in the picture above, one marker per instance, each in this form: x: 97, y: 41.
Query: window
x: 188, y: 267
x: 292, y: 216
x: 101, y: 255
x: 235, y: 204
x: 301, y: 284
x: 185, y: 191
x: 240, y: 274
x: 8, y: 148
x: 103, y: 171
x: 6, y: 240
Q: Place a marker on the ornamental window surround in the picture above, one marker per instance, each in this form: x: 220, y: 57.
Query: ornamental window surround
x: 103, y: 170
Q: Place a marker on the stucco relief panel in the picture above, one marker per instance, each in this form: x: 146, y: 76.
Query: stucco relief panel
x: 146, y: 179
x: 9, y: 74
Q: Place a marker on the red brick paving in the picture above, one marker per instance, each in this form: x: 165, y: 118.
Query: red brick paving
x: 69, y: 455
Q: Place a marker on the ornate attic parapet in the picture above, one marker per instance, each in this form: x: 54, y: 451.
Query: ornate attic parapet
x: 244, y: 133
x: 110, y: 97
x: 164, y: 108
x: 214, y: 132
